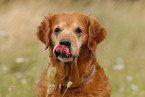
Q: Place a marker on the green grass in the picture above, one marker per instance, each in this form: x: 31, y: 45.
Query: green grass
x: 124, y: 45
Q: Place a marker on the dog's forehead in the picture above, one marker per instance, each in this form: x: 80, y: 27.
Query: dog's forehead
x: 69, y: 19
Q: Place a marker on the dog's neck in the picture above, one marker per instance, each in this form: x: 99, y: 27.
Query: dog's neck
x: 75, y: 70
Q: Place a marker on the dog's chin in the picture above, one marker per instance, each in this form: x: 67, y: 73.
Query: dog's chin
x: 69, y: 59
x: 64, y: 58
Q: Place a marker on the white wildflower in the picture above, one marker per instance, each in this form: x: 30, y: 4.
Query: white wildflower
x: 118, y: 67
x: 23, y: 81
x: 69, y: 84
x: 129, y: 78
x: 11, y: 88
x: 19, y: 60
x: 50, y: 88
x: 134, y: 87
x: 3, y: 34
x: 4, y: 68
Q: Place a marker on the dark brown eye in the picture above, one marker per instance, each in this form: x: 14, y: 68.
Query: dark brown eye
x: 78, y: 31
x: 57, y: 30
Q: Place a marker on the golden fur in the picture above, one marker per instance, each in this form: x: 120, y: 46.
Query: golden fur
x: 83, y: 48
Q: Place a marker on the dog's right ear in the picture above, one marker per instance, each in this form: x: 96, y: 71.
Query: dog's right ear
x: 43, y: 32
x: 96, y: 33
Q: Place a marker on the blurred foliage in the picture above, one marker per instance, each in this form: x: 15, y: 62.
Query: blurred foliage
x: 122, y: 55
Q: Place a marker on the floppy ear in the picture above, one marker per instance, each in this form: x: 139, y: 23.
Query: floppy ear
x: 95, y: 32
x: 43, y: 32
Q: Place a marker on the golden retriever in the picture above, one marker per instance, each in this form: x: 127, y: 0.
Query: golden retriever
x: 72, y: 39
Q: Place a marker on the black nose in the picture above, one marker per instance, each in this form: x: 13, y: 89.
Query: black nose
x: 65, y: 42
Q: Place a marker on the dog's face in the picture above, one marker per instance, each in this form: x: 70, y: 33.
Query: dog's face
x: 67, y: 32
x: 70, y: 31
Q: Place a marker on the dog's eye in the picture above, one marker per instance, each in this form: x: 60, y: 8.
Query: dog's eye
x: 57, y: 30
x: 78, y: 31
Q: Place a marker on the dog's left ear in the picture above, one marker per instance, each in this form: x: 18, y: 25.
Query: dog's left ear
x: 95, y: 33
x: 43, y: 32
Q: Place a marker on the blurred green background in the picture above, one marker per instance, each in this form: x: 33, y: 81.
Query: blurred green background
x: 122, y: 54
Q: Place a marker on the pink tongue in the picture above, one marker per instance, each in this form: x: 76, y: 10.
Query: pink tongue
x: 63, y: 50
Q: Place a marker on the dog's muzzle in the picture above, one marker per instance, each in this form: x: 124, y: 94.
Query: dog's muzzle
x: 62, y: 51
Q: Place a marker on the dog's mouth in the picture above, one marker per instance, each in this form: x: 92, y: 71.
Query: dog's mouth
x: 62, y: 53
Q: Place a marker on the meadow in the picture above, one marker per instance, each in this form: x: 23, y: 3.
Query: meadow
x: 121, y: 54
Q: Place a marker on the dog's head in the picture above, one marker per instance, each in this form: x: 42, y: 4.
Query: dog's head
x: 67, y: 32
